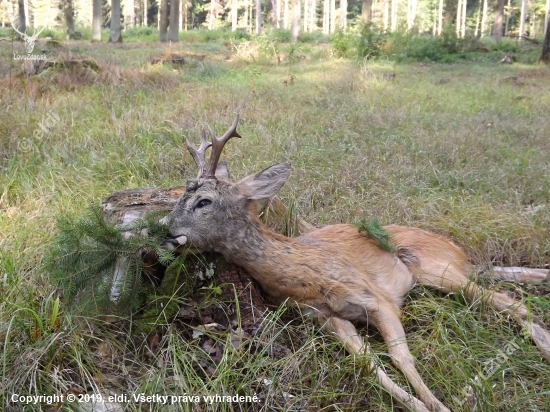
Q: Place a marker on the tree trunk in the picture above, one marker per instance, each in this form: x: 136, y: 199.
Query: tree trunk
x: 394, y: 6
x: 234, y: 11
x: 326, y: 16
x: 463, y: 20
x: 96, y: 21
x: 522, y: 18
x: 497, y: 28
x: 507, y: 12
x: 145, y: 13
x: 116, y: 28
x: 286, y: 23
x: 131, y: 13
x: 68, y: 11
x: 546, y: 46
x: 440, y: 18
x: 313, y: 16
x: 343, y: 14
x: 547, y: 15
x: 173, y: 31
x: 22, y: 17
x: 459, y: 17
x: 484, y: 18
x: 277, y: 8
x: 366, y: 9
x: 332, y: 14
x: 295, y: 29
x: 386, y: 14
x: 258, y: 17
x: 163, y: 20
x: 306, y: 14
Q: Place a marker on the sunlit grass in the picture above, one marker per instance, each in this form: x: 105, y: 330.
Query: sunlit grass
x: 459, y: 149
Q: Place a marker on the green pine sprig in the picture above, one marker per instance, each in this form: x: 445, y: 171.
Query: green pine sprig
x: 374, y: 229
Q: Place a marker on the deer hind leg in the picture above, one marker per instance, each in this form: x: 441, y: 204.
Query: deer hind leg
x: 391, y: 329
x: 354, y: 344
x: 450, y: 278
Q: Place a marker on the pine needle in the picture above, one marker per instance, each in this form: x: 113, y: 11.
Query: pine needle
x: 373, y: 229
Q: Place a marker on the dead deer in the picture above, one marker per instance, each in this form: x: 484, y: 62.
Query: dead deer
x: 335, y: 273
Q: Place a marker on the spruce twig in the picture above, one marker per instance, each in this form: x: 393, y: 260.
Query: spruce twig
x: 373, y: 229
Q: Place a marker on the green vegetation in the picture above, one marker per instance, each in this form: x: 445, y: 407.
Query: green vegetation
x: 460, y: 149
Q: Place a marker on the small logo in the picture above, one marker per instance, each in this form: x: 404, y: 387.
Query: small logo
x: 29, y: 40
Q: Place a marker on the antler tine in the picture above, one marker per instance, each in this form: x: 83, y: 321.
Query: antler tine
x: 200, y: 154
x: 217, y: 147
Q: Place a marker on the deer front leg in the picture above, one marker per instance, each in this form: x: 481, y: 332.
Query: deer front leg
x: 389, y: 325
x: 354, y: 344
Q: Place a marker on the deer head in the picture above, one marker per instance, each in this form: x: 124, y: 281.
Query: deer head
x: 29, y: 40
x: 214, y: 211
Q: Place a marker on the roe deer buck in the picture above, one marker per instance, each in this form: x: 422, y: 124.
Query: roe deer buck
x: 335, y: 272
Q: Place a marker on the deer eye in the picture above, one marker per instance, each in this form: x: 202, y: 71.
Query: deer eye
x: 202, y: 203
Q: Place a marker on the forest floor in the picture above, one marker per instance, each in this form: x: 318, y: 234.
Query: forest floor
x: 459, y: 149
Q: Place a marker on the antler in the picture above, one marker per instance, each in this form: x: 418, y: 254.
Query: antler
x: 199, y: 155
x: 217, y: 147
x: 13, y: 20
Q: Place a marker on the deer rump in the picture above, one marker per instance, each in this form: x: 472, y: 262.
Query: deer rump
x: 336, y: 273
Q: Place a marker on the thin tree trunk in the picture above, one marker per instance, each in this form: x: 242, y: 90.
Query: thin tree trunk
x: 185, y: 14
x: 68, y: 11
x: 287, y: 14
x: 145, y: 13
x: 245, y: 17
x: 546, y: 17
x: 326, y: 11
x: 96, y: 21
x: 386, y: 14
x: 258, y: 17
x: 173, y: 31
x: 234, y: 10
x: 306, y: 14
x: 343, y: 14
x: 440, y: 18
x: 22, y: 17
x: 180, y: 26
x: 463, y: 21
x: 459, y: 17
x: 332, y: 16
x: 163, y: 20
x: 366, y: 8
x: 522, y: 18
x: 115, y: 35
x: 131, y: 14
x: 546, y: 46
x: 277, y: 10
x: 497, y: 27
x: 478, y: 20
x: 295, y: 30
x: 507, y: 12
x: 484, y: 18
x: 394, y: 6
x: 313, y: 16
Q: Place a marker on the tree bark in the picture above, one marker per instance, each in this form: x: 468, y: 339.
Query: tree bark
x: 546, y: 16
x: 343, y: 14
x: 497, y: 28
x: 463, y: 20
x: 394, y: 7
x: 546, y: 45
x: 258, y: 17
x: 163, y: 20
x: 234, y: 10
x: 332, y: 15
x: 295, y: 30
x: 22, y: 17
x: 68, y: 11
x: 145, y: 13
x: 366, y: 9
x: 522, y: 18
x: 440, y: 18
x: 484, y: 18
x: 173, y: 31
x: 116, y: 28
x: 459, y: 17
x: 96, y: 21
x: 326, y: 16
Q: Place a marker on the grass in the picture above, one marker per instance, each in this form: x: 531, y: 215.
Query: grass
x: 459, y: 149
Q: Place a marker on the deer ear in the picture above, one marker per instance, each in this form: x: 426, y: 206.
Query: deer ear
x: 222, y: 171
x: 265, y: 184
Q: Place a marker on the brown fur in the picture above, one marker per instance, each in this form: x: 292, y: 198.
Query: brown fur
x: 335, y: 272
